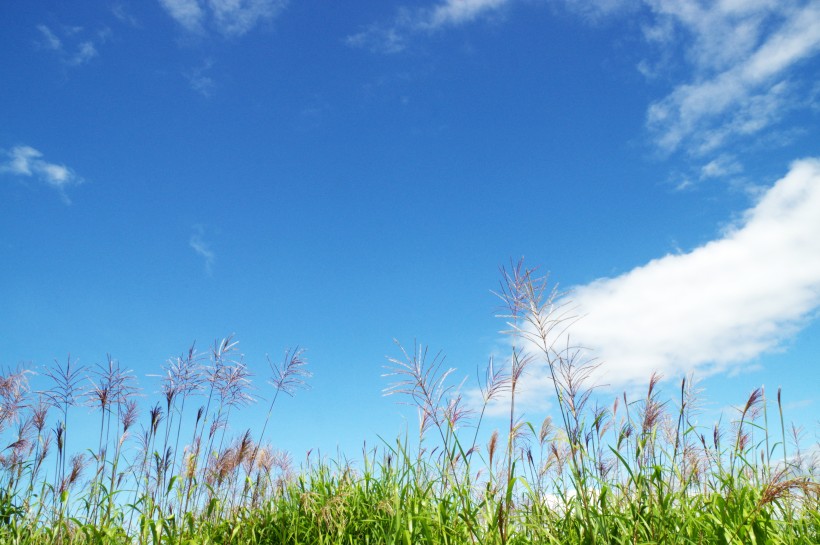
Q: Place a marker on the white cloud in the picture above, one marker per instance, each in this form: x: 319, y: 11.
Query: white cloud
x: 229, y: 17
x: 741, y: 60
x: 715, y: 309
x: 50, y: 40
x: 85, y: 52
x: 199, y: 80
x: 188, y: 13
x: 378, y: 39
x: 392, y: 38
x: 123, y: 14
x: 75, y: 53
x: 597, y: 10
x: 27, y: 162
x: 20, y: 159
x: 202, y: 248
x: 456, y: 12
x: 723, y: 165
x: 743, y: 57
x: 720, y: 306
x: 236, y: 17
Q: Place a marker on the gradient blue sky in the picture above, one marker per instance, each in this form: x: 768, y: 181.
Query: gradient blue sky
x: 334, y: 175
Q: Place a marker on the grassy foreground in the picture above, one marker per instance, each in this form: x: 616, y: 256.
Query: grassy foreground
x: 635, y: 471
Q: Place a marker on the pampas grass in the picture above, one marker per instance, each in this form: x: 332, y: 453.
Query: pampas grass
x: 623, y: 470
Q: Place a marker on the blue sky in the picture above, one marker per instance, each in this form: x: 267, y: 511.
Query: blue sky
x: 336, y: 175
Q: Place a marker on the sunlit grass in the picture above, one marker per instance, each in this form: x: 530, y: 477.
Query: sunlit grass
x: 635, y: 471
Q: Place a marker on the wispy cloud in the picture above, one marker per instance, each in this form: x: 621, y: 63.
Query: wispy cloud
x: 202, y: 248
x: 25, y: 161
x: 742, y: 72
x: 236, y: 17
x: 598, y: 10
x: 379, y: 38
x: 741, y: 62
x: 188, y: 13
x: 85, y: 52
x: 722, y: 166
x: 743, y: 58
x: 229, y: 17
x: 199, y: 79
x: 71, y: 48
x: 456, y: 12
x: 392, y: 37
x: 50, y: 40
x: 124, y: 15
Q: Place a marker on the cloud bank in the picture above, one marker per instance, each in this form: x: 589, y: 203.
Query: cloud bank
x: 720, y: 306
x: 715, y: 309
x: 25, y: 161
x: 231, y: 18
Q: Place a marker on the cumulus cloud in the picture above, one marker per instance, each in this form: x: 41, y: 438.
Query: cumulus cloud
x: 715, y: 309
x: 229, y: 17
x: 202, y: 248
x: 25, y: 161
x: 719, y: 306
x: 392, y: 37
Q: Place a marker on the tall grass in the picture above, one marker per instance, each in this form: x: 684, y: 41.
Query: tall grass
x: 636, y: 470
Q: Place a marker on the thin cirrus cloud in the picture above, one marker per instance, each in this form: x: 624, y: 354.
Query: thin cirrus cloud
x: 741, y: 62
x: 455, y: 12
x: 743, y: 57
x: 199, y: 79
x: 202, y: 248
x: 71, y: 50
x: 27, y: 162
x: 230, y: 18
x: 713, y: 310
x: 392, y: 37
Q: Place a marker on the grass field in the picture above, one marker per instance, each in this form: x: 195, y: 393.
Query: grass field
x: 634, y: 471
